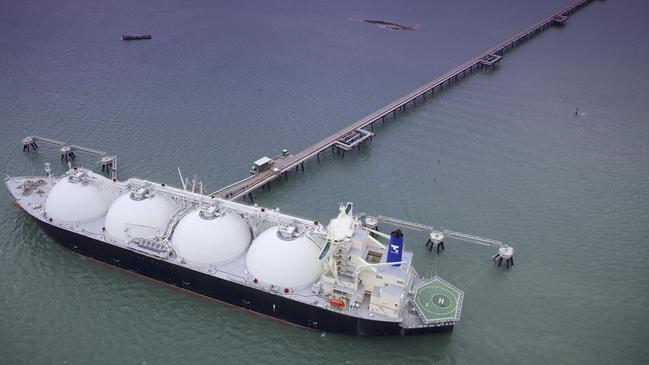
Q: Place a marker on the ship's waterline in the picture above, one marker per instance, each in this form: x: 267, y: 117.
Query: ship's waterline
x: 334, y: 278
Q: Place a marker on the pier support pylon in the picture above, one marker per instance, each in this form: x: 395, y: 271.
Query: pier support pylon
x: 29, y: 143
x: 67, y: 154
x: 505, y: 253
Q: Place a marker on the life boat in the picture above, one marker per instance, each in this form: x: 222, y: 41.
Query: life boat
x: 337, y: 302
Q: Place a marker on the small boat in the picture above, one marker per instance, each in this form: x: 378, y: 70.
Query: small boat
x: 133, y: 37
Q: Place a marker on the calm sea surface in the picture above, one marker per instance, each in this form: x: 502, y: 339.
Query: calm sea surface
x: 501, y: 154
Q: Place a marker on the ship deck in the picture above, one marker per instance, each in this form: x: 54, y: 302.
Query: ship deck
x: 236, y: 271
x: 438, y: 301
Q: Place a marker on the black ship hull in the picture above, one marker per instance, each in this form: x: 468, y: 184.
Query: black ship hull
x: 232, y: 293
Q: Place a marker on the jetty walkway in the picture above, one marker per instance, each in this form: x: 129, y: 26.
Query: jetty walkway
x: 356, y: 133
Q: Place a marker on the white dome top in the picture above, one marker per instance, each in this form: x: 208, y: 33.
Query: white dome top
x: 72, y: 202
x: 284, y: 263
x: 211, y: 240
x: 128, y: 218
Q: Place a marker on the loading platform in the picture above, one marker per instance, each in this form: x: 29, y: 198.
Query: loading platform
x: 357, y: 133
x: 354, y: 139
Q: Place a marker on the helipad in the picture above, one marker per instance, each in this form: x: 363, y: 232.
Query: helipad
x: 438, y: 301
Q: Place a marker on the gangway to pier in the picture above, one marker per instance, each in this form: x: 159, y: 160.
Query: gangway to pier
x: 108, y: 162
x: 473, y: 239
x: 54, y: 142
x: 437, y: 236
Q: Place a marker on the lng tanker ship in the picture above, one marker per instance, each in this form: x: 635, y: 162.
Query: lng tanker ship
x: 341, y: 277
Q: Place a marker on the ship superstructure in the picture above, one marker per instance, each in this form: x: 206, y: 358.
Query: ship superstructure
x: 339, y: 277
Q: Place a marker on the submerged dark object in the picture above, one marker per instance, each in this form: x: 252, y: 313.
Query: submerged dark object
x: 133, y: 37
x: 390, y: 25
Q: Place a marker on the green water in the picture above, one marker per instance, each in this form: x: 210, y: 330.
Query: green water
x: 500, y: 154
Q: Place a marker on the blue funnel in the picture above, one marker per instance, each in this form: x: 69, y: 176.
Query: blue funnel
x: 395, y: 248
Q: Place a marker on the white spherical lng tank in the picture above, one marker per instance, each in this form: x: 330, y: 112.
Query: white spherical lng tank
x: 211, y: 240
x: 75, y: 202
x: 130, y: 218
x: 284, y: 263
